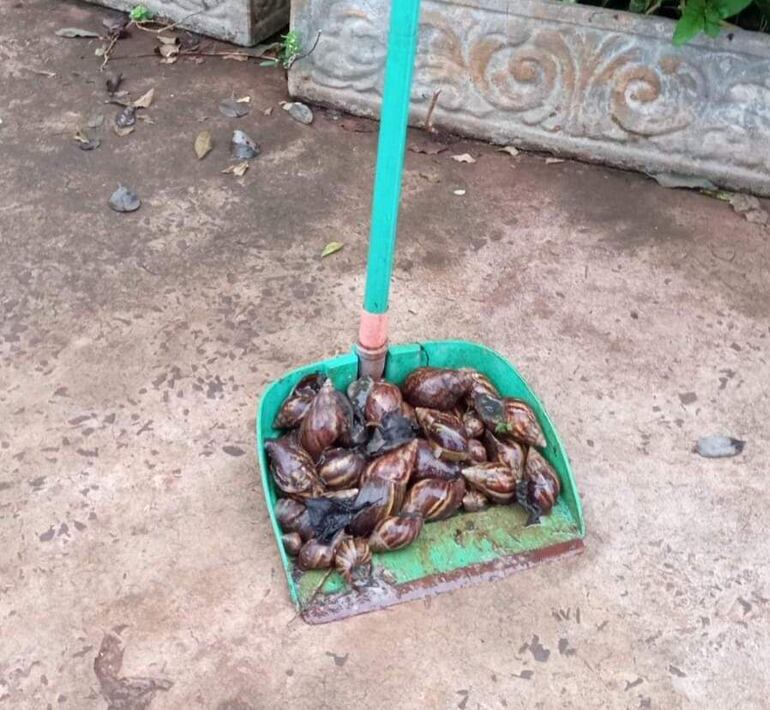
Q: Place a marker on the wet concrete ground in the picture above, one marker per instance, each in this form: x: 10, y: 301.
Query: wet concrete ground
x: 138, y: 568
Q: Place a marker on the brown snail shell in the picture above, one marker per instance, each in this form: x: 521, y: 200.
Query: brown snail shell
x: 353, y: 560
x: 292, y: 543
x: 494, y: 480
x: 383, y: 498
x: 295, y: 406
x: 396, y: 466
x: 395, y: 532
x: 383, y: 398
x: 434, y: 499
x: 435, y: 387
x: 324, y: 422
x: 474, y: 427
x: 292, y: 468
x: 475, y: 502
x: 319, y: 555
x: 543, y: 486
x: 445, y: 433
x: 343, y: 494
x: 477, y: 451
x: 340, y: 468
x: 522, y: 423
x: 427, y: 465
x: 489, y: 408
x: 407, y: 410
x: 479, y: 382
x: 508, y: 452
x: 293, y: 517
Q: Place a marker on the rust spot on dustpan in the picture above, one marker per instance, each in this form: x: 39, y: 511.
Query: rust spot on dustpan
x: 382, y: 594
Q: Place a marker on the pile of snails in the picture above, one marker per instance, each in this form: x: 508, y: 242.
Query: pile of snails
x: 361, y: 471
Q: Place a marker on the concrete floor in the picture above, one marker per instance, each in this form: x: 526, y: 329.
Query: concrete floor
x: 135, y: 347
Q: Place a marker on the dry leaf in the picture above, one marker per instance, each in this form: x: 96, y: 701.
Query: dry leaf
x: 169, y: 52
x: 331, y: 248
x: 744, y: 203
x: 268, y: 111
x: 427, y: 148
x: 203, y: 144
x: 145, y: 100
x: 553, y: 161
x: 71, y: 32
x: 123, y: 131
x: 464, y: 158
x: 459, y: 193
x: 510, y: 149
x: 238, y: 169
x: 244, y: 100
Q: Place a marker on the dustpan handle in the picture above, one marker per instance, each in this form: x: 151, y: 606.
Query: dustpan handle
x: 394, y: 116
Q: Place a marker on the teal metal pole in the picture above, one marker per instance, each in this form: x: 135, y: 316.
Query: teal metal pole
x: 394, y: 116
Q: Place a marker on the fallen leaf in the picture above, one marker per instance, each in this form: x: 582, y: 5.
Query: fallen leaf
x: 232, y: 109
x: 510, y: 149
x: 553, y: 161
x: 464, y: 158
x: 203, y: 144
x: 268, y: 111
x: 124, y: 199
x: 717, y: 447
x: 244, y: 100
x: 168, y: 52
x: 750, y: 207
x: 145, y: 100
x: 331, y: 248
x: 298, y: 111
x: 238, y: 169
x: 123, y: 131
x: 675, y: 180
x: 459, y: 193
x: 85, y: 141
x: 243, y: 147
x: 72, y: 32
x: 427, y: 148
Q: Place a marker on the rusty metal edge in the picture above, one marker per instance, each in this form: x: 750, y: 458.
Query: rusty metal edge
x: 354, y: 603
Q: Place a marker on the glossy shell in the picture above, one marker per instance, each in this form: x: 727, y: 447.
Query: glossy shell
x: 522, y: 423
x: 445, y: 433
x: 477, y: 451
x: 474, y: 427
x: 292, y: 542
x: 395, y: 532
x: 543, y: 485
x: 427, y: 465
x: 434, y: 499
x: 298, y: 402
x: 340, y: 468
x: 324, y: 422
x: 396, y: 466
x: 292, y: 468
x: 479, y: 382
x: 318, y: 555
x: 353, y: 559
x: 494, y: 480
x: 383, y: 398
x: 383, y: 498
x: 505, y: 451
x: 435, y: 388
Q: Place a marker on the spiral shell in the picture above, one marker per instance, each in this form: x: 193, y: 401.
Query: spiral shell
x: 396, y: 466
x: 543, y: 485
x: 475, y: 502
x: 479, y: 382
x: 348, y: 494
x: 340, y: 468
x: 324, y: 422
x: 383, y: 398
x: 353, y: 560
x: 407, y: 410
x: 319, y: 555
x: 292, y: 468
x: 474, y: 427
x: 435, y: 388
x: 477, y: 451
x: 489, y: 408
x: 292, y: 542
x: 522, y: 423
x: 508, y: 452
x: 434, y: 499
x: 382, y: 498
x: 288, y: 513
x: 395, y: 532
x: 494, y: 480
x: 445, y: 433
x: 295, y: 406
x: 426, y: 464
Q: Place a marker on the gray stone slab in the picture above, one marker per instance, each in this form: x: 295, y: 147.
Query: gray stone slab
x: 244, y: 22
x: 580, y: 81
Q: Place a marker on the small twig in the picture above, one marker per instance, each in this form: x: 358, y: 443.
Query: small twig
x: 164, y: 28
x: 431, y: 108
x: 196, y: 53
x: 305, y: 54
x: 108, y: 50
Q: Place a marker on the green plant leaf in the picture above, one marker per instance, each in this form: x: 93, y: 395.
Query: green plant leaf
x: 139, y: 13
x: 332, y: 248
x: 269, y: 63
x: 692, y: 21
x: 728, y: 8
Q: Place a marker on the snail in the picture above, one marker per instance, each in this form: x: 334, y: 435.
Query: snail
x: 340, y: 468
x: 507, y: 452
x: 475, y: 502
x: 521, y: 423
x: 319, y: 555
x: 479, y: 382
x: 494, y: 480
x: 407, y: 411
x: 426, y: 464
x: 295, y: 406
x: 489, y: 408
x: 383, y: 398
x: 324, y: 422
x: 434, y: 499
x: 289, y: 512
x: 474, y: 427
x: 542, y: 481
x: 354, y: 560
x: 445, y: 433
x: 395, y: 532
x: 394, y: 466
x: 292, y: 542
x: 377, y: 499
x: 349, y: 494
x: 477, y: 451
x: 435, y: 388
x: 292, y: 468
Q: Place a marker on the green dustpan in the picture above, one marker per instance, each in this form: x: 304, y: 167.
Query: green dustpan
x: 465, y: 548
